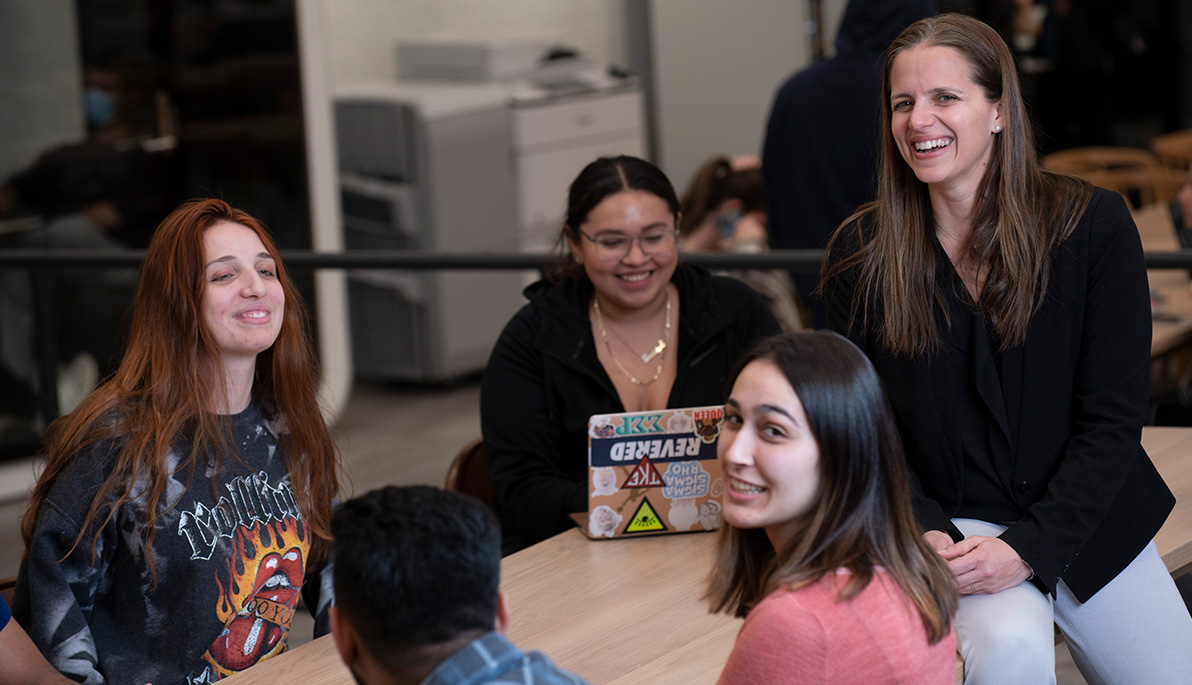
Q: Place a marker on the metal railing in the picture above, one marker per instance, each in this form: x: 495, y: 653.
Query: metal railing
x: 44, y: 263
x: 807, y: 261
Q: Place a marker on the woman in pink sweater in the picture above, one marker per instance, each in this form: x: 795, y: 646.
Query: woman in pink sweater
x: 821, y: 553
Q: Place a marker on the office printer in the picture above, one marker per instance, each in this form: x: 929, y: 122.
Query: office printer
x: 463, y: 166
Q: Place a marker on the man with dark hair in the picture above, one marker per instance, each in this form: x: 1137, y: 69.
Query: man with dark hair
x: 417, y: 571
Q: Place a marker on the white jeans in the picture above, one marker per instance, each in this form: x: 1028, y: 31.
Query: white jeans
x: 1135, y: 631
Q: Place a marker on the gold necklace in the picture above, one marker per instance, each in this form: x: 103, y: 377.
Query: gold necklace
x: 658, y: 351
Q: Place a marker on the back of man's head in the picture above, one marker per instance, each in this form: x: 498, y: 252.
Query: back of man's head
x: 415, y: 567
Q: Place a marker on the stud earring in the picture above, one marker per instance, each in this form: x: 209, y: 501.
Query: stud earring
x: 997, y: 128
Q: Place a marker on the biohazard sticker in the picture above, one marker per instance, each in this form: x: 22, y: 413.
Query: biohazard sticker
x: 644, y: 476
x: 645, y: 520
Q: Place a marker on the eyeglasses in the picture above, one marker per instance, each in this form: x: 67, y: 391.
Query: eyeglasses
x: 613, y: 248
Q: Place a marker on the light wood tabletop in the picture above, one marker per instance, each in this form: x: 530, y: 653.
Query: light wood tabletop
x: 620, y: 611
x: 1172, y: 325
x: 631, y: 611
x: 1171, y: 451
x: 613, y: 611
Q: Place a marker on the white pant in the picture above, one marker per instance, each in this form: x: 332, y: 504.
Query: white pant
x: 1134, y: 631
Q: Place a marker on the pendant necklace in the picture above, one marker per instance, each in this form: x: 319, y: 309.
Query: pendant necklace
x: 658, y: 351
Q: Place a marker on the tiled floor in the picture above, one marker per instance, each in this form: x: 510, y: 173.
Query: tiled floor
x: 388, y: 435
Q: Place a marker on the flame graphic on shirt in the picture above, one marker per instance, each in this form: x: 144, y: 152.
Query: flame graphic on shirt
x: 265, y: 572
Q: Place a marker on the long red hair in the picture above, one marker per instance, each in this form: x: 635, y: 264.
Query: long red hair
x: 163, y: 391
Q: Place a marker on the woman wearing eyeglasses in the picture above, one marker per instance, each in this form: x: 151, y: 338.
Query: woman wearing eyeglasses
x: 618, y: 324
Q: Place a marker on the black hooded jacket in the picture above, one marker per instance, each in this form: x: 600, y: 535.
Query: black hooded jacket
x: 820, y: 154
x: 543, y: 381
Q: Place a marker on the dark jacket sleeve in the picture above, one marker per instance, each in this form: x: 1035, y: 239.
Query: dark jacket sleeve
x: 763, y: 322
x: 752, y: 320
x: 839, y: 298
x: 523, y: 438
x: 1109, y: 396
x: 59, y: 582
x: 318, y: 590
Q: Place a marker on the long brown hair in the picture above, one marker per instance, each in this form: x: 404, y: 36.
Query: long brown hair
x: 1020, y: 214
x: 162, y: 392
x: 862, y: 517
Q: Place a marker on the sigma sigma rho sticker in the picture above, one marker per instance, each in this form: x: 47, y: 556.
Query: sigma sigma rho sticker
x: 686, y: 479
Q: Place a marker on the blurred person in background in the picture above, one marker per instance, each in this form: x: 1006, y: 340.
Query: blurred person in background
x: 724, y: 209
x: 819, y: 158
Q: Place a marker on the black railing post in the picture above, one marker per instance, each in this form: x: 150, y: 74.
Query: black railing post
x: 45, y: 341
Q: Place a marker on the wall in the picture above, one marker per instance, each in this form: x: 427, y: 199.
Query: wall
x: 717, y: 66
x: 39, y: 72
x: 364, y: 33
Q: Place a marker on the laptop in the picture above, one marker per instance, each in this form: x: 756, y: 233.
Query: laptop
x: 653, y: 472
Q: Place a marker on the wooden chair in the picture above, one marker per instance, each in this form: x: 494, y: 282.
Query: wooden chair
x: 1174, y: 149
x: 469, y: 473
x: 1078, y: 160
x: 8, y: 586
x: 1141, y: 186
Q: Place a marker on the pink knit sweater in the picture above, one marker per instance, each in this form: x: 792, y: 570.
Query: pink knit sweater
x: 806, y: 636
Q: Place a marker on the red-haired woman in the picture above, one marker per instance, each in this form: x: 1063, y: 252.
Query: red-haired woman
x: 185, y: 500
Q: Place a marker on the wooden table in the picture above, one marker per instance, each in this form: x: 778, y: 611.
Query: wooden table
x: 631, y: 611
x: 1173, y: 329
x: 1171, y: 450
x: 1171, y: 338
x: 613, y: 611
x: 620, y: 611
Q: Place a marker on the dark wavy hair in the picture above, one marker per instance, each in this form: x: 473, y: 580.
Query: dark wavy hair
x: 862, y: 516
x: 415, y: 567
x: 604, y: 177
x: 162, y: 393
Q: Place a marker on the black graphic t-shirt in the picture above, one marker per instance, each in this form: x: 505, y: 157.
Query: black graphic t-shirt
x: 230, y: 552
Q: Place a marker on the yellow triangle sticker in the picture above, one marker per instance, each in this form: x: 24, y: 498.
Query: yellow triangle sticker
x: 645, y: 520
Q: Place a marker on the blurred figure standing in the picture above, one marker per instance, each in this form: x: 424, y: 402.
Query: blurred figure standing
x: 820, y: 152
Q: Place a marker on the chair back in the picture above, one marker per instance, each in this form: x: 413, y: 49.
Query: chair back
x: 1141, y: 186
x: 1174, y: 149
x: 8, y: 586
x: 1077, y: 160
x: 469, y: 473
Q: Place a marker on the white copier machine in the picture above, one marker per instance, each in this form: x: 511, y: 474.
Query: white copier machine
x: 463, y: 166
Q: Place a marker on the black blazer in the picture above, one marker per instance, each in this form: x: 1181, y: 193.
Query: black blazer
x: 1090, y: 496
